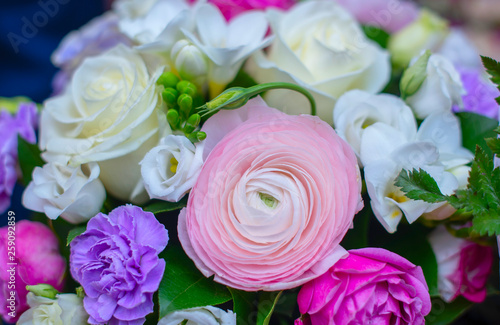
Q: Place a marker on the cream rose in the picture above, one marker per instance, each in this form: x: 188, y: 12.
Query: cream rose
x: 111, y: 114
x: 66, y: 309
x: 319, y: 46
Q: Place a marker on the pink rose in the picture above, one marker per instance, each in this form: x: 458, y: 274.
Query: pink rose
x: 389, y: 15
x: 274, y: 198
x: 36, y: 260
x: 370, y: 286
x: 463, y: 266
x: 232, y: 8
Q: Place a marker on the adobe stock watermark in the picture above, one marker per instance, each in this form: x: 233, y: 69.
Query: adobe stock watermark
x: 31, y: 27
x: 11, y: 264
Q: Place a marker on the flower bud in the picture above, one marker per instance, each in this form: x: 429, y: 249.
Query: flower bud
x: 186, y: 87
x: 427, y: 32
x: 170, y: 96
x: 188, y: 60
x: 173, y: 118
x: 43, y: 290
x: 414, y: 76
x: 168, y: 79
x: 185, y: 103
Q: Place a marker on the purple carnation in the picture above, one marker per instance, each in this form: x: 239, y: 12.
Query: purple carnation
x: 481, y: 94
x: 116, y: 261
x: 24, y: 124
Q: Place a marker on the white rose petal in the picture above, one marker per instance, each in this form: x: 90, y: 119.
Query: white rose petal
x: 208, y: 315
x: 170, y: 170
x: 110, y: 113
x: 321, y: 47
x: 356, y: 111
x: 66, y: 309
x: 441, y: 89
x: 59, y: 190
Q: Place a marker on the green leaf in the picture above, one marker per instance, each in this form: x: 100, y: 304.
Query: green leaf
x: 376, y: 34
x: 158, y: 206
x: 244, y: 305
x: 267, y: 303
x: 29, y: 158
x: 419, y: 185
x: 183, y: 286
x: 487, y: 223
x: 74, y: 233
x: 475, y: 128
x: 494, y: 145
x: 443, y: 313
x: 493, y: 69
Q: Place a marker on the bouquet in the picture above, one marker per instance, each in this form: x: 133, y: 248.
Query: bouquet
x: 255, y: 162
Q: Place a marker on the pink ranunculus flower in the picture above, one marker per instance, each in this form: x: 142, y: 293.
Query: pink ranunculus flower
x: 273, y: 200
x: 370, y: 286
x: 232, y: 8
x: 389, y: 15
x: 36, y: 260
x: 463, y: 266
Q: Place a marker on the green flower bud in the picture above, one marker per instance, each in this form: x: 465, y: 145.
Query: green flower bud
x: 414, y: 76
x: 194, y: 120
x: 232, y: 98
x: 168, y: 79
x: 173, y: 118
x: 186, y: 87
x: 170, y: 96
x: 185, y: 103
x: 201, y: 136
x: 427, y: 32
x: 43, y: 290
x: 80, y: 292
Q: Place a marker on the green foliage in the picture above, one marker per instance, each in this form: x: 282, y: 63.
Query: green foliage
x: 493, y: 69
x: 158, y: 206
x: 244, y: 305
x: 267, y: 303
x: 475, y: 128
x: 29, y: 158
x: 183, y: 286
x: 378, y: 35
x: 74, y: 233
x: 419, y: 185
x: 443, y: 313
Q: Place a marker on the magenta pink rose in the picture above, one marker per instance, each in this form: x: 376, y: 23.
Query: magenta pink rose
x: 370, y: 286
x: 389, y: 15
x: 36, y: 260
x: 232, y: 8
x: 463, y: 266
x: 275, y: 197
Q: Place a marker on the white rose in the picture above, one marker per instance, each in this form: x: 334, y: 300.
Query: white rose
x: 74, y: 193
x: 357, y: 111
x: 208, y: 315
x: 441, y: 89
x: 110, y: 113
x: 143, y: 20
x: 319, y: 46
x: 170, y: 170
x: 66, y: 309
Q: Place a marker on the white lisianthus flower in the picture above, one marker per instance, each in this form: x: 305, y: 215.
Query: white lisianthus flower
x: 319, y: 46
x: 441, y: 89
x: 66, y: 309
x: 387, y: 200
x: 357, y: 110
x: 226, y: 44
x: 170, y: 170
x: 208, y: 315
x: 111, y: 114
x: 74, y: 193
x: 143, y: 21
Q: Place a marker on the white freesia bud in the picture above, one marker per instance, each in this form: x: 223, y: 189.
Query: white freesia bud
x: 208, y: 315
x: 319, y: 46
x: 170, y: 170
x: 189, y: 61
x: 426, y: 33
x: 110, y: 114
x: 441, y: 89
x: 66, y: 309
x: 74, y: 193
x: 357, y: 111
